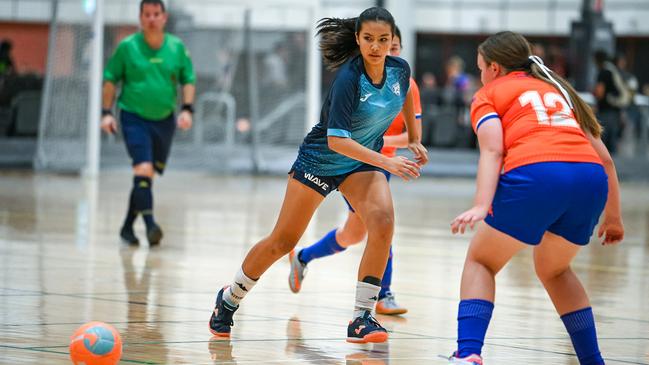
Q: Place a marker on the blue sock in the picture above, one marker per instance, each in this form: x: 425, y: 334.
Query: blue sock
x: 581, y: 328
x: 472, y: 321
x: 142, y: 199
x: 387, y: 277
x: 325, y: 247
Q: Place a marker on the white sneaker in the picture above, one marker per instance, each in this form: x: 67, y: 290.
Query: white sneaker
x: 298, y: 271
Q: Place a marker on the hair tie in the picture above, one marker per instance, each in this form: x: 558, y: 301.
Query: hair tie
x: 528, y: 63
x: 539, y: 62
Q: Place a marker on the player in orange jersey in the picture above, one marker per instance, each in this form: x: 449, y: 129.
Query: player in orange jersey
x: 557, y: 178
x: 353, y: 230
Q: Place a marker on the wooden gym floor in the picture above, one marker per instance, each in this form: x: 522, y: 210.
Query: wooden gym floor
x: 61, y: 265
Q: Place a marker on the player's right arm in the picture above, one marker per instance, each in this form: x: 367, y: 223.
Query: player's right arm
x: 612, y: 227
x: 490, y: 139
x: 488, y: 127
x: 397, y: 165
x: 113, y: 73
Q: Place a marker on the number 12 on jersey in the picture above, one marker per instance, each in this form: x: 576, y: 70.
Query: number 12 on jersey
x: 560, y: 118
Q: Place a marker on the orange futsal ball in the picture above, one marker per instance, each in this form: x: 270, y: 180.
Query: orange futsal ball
x: 95, y: 343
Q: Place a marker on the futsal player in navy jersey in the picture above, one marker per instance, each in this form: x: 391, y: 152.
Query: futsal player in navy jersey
x: 343, y: 152
x: 353, y: 230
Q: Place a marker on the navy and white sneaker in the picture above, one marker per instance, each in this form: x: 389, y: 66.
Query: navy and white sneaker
x: 366, y: 329
x: 221, y: 320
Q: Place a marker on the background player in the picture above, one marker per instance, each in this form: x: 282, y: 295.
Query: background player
x: 149, y: 64
x: 353, y: 230
x: 342, y: 151
x: 550, y: 196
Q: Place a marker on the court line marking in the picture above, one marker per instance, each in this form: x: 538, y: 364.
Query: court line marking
x: 45, y: 350
x: 93, y: 297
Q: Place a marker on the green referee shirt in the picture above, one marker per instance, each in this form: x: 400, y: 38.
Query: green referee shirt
x: 149, y: 76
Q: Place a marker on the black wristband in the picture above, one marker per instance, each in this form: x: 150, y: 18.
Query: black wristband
x: 105, y: 112
x: 188, y: 107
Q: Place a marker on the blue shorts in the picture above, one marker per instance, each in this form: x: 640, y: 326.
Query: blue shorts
x: 564, y: 198
x: 148, y: 140
x: 387, y: 176
x: 326, y: 184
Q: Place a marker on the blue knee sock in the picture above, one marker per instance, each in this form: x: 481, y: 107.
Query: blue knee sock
x: 387, y: 277
x: 142, y: 199
x: 472, y: 321
x: 325, y: 247
x: 581, y: 328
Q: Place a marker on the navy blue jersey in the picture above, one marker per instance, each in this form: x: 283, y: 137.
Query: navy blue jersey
x: 357, y: 109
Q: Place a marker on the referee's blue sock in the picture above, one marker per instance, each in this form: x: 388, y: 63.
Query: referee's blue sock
x: 581, y: 328
x: 472, y: 321
x: 325, y: 247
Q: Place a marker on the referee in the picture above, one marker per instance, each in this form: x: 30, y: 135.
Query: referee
x: 149, y: 64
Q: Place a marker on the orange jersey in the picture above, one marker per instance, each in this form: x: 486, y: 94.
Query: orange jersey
x: 399, y: 123
x: 538, y: 124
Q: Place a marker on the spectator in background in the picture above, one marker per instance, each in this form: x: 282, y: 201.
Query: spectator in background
x: 557, y: 61
x: 296, y: 53
x: 631, y: 113
x: 611, y: 96
x: 7, y: 66
x: 457, y: 94
x: 539, y: 50
x: 430, y: 93
x: 457, y: 87
x: 275, y: 64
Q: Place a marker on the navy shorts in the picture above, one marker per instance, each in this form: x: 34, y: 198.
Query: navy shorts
x: 326, y: 184
x: 387, y: 176
x: 564, y: 198
x: 148, y: 140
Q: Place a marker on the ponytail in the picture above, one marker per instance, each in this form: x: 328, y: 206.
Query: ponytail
x: 337, y: 40
x: 583, y: 112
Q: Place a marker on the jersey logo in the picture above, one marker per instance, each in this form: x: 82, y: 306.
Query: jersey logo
x: 316, y: 180
x: 365, y: 97
x: 396, y: 88
x: 156, y: 60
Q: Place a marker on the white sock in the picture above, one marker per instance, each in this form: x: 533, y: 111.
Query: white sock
x: 366, y: 297
x: 239, y: 288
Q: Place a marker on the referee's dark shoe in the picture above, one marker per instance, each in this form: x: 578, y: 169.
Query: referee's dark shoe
x: 154, y: 235
x: 128, y: 236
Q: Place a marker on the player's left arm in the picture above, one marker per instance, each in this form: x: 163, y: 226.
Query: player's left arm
x: 401, y: 140
x: 413, y: 129
x: 187, y: 79
x: 185, y: 118
x: 612, y: 227
x: 398, y: 140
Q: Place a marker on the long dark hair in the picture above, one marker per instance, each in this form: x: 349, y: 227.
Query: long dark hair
x: 512, y: 51
x: 338, y: 35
